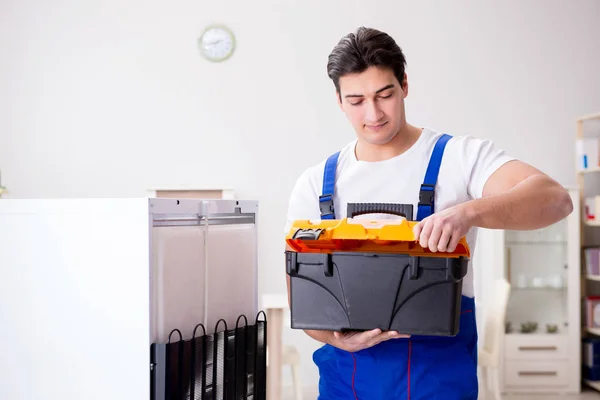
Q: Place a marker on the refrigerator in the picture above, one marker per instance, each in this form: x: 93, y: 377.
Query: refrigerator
x: 132, y: 298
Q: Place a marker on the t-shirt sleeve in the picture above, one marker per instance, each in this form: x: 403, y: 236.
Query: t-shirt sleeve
x: 304, y: 199
x: 480, y: 158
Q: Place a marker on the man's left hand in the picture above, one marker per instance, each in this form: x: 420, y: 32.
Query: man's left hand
x: 442, y: 231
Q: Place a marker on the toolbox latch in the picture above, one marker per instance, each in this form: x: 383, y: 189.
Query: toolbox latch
x: 414, y: 267
x: 293, y: 260
x: 307, y: 234
x: 291, y: 263
x: 457, y: 269
x: 327, y: 264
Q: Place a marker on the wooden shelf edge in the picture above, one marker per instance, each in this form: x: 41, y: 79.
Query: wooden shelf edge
x: 588, y: 117
x: 588, y: 170
x: 593, y: 384
x: 593, y: 331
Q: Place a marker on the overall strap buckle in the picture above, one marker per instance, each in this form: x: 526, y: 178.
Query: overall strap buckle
x: 427, y: 191
x: 426, y: 195
x: 326, y: 206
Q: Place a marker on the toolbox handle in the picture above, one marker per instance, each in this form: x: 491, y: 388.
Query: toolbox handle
x: 402, y: 210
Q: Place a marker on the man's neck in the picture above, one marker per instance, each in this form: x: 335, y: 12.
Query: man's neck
x: 403, y: 141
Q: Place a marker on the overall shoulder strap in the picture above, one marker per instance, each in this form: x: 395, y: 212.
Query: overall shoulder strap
x: 427, y: 192
x: 326, y: 198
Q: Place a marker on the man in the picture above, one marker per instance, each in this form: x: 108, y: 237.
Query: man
x: 472, y: 184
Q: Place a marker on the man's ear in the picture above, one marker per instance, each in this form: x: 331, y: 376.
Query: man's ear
x: 405, y: 85
x: 338, y: 97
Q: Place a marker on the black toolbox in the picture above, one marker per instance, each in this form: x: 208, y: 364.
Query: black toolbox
x: 361, y: 274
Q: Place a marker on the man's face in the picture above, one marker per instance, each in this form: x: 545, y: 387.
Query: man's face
x: 373, y: 101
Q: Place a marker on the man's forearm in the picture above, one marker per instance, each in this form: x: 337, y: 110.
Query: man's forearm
x: 534, y: 203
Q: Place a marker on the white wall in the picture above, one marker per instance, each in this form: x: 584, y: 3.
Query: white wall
x: 112, y: 98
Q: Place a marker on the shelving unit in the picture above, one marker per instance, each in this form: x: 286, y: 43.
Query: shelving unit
x: 588, y: 181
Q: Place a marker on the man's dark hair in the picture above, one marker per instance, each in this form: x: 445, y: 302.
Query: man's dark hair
x: 362, y: 49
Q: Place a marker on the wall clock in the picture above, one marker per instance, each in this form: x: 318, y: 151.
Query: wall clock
x: 217, y: 43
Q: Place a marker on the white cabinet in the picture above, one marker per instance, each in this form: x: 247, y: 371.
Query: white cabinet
x: 536, y: 363
x: 541, y: 347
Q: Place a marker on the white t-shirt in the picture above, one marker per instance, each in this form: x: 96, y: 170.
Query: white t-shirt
x: 466, y: 165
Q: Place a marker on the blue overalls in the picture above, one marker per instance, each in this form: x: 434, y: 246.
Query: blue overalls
x: 421, y: 367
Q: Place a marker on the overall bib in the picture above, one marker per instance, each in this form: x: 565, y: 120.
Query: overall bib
x: 421, y: 367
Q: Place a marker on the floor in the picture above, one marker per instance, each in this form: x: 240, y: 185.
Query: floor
x: 587, y: 394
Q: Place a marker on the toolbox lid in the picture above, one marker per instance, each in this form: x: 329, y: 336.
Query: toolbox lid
x: 363, y: 235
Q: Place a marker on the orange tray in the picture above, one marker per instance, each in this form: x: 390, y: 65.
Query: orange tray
x: 363, y: 235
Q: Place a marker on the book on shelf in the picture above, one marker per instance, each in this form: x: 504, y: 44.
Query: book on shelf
x: 591, y: 258
x: 591, y: 208
x: 586, y: 151
x: 591, y: 358
x: 592, y: 311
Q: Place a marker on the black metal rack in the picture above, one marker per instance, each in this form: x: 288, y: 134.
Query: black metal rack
x: 228, y: 364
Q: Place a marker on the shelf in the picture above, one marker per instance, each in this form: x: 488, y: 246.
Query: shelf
x: 593, y: 277
x: 589, y: 170
x: 592, y: 223
x: 588, y: 117
x: 593, y: 384
x: 593, y: 331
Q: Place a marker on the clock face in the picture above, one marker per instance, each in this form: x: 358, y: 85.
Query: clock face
x: 217, y: 43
